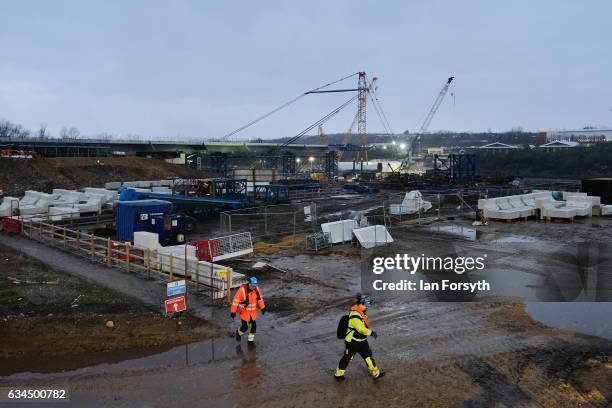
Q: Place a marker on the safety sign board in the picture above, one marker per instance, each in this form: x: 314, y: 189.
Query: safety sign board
x: 177, y: 304
x: 177, y: 287
x: 307, y: 216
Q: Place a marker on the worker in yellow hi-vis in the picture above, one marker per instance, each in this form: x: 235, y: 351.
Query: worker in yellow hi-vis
x: 354, y: 328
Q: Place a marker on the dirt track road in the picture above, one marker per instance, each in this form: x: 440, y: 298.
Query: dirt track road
x: 470, y: 357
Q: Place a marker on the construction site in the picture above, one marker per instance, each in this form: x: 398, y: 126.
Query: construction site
x: 93, y: 244
x: 316, y: 204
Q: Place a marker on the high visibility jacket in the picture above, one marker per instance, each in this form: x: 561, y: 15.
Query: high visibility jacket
x: 246, y: 303
x: 357, y: 326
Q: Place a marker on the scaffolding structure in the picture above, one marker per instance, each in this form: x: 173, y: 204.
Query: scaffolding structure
x: 455, y: 167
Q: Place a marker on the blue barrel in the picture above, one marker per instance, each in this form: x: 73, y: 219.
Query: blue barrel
x: 134, y: 216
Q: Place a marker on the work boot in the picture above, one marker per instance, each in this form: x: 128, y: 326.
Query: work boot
x: 251, y: 343
x: 339, y: 377
x: 238, y: 337
x: 380, y: 375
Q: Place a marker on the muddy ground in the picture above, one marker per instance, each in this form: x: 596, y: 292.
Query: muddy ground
x: 46, y: 312
x: 436, y: 354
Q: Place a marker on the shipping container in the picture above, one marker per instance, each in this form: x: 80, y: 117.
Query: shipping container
x: 135, y: 215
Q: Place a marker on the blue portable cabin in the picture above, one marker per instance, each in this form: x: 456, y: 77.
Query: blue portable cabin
x: 135, y: 216
x: 170, y: 228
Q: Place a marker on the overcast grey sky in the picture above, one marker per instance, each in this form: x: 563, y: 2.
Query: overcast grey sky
x: 202, y: 68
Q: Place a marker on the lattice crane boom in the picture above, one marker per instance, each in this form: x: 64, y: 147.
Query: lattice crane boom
x: 416, y: 140
x: 435, y: 106
x: 359, y: 120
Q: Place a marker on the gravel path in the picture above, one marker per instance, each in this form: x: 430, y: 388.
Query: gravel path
x: 151, y: 292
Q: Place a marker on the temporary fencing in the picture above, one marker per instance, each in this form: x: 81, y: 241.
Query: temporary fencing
x: 271, y: 220
x: 128, y: 257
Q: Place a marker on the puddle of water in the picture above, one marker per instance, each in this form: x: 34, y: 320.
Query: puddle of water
x: 53, y: 364
x: 454, y: 230
x: 591, y: 318
x: 509, y: 282
x: 520, y: 239
x: 121, y: 360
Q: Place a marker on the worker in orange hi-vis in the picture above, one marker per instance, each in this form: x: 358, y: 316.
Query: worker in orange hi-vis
x: 246, y: 301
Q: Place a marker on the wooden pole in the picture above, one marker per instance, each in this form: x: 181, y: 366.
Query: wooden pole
x: 212, y: 281
x: 148, y: 263
x: 197, y: 275
x: 108, y: 253
x: 127, y: 256
x: 185, y: 264
x: 229, y: 284
x: 212, y: 270
x: 294, y: 229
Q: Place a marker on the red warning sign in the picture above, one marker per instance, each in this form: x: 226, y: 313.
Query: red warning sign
x: 175, y: 305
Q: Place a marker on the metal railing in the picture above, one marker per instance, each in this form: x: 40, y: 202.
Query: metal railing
x: 125, y: 256
x: 272, y: 220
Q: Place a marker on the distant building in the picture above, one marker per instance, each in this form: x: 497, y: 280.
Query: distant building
x: 559, y: 145
x: 497, y: 147
x: 581, y: 136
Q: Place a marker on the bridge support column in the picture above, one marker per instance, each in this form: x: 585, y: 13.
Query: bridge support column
x: 288, y: 163
x: 218, y: 164
x: 331, y: 164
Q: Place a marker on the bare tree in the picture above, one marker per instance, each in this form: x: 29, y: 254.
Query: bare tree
x: 12, y: 130
x: 72, y: 133
x: 133, y: 137
x: 5, y: 127
x: 42, y: 132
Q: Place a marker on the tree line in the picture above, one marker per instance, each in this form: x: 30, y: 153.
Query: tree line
x: 576, y: 163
